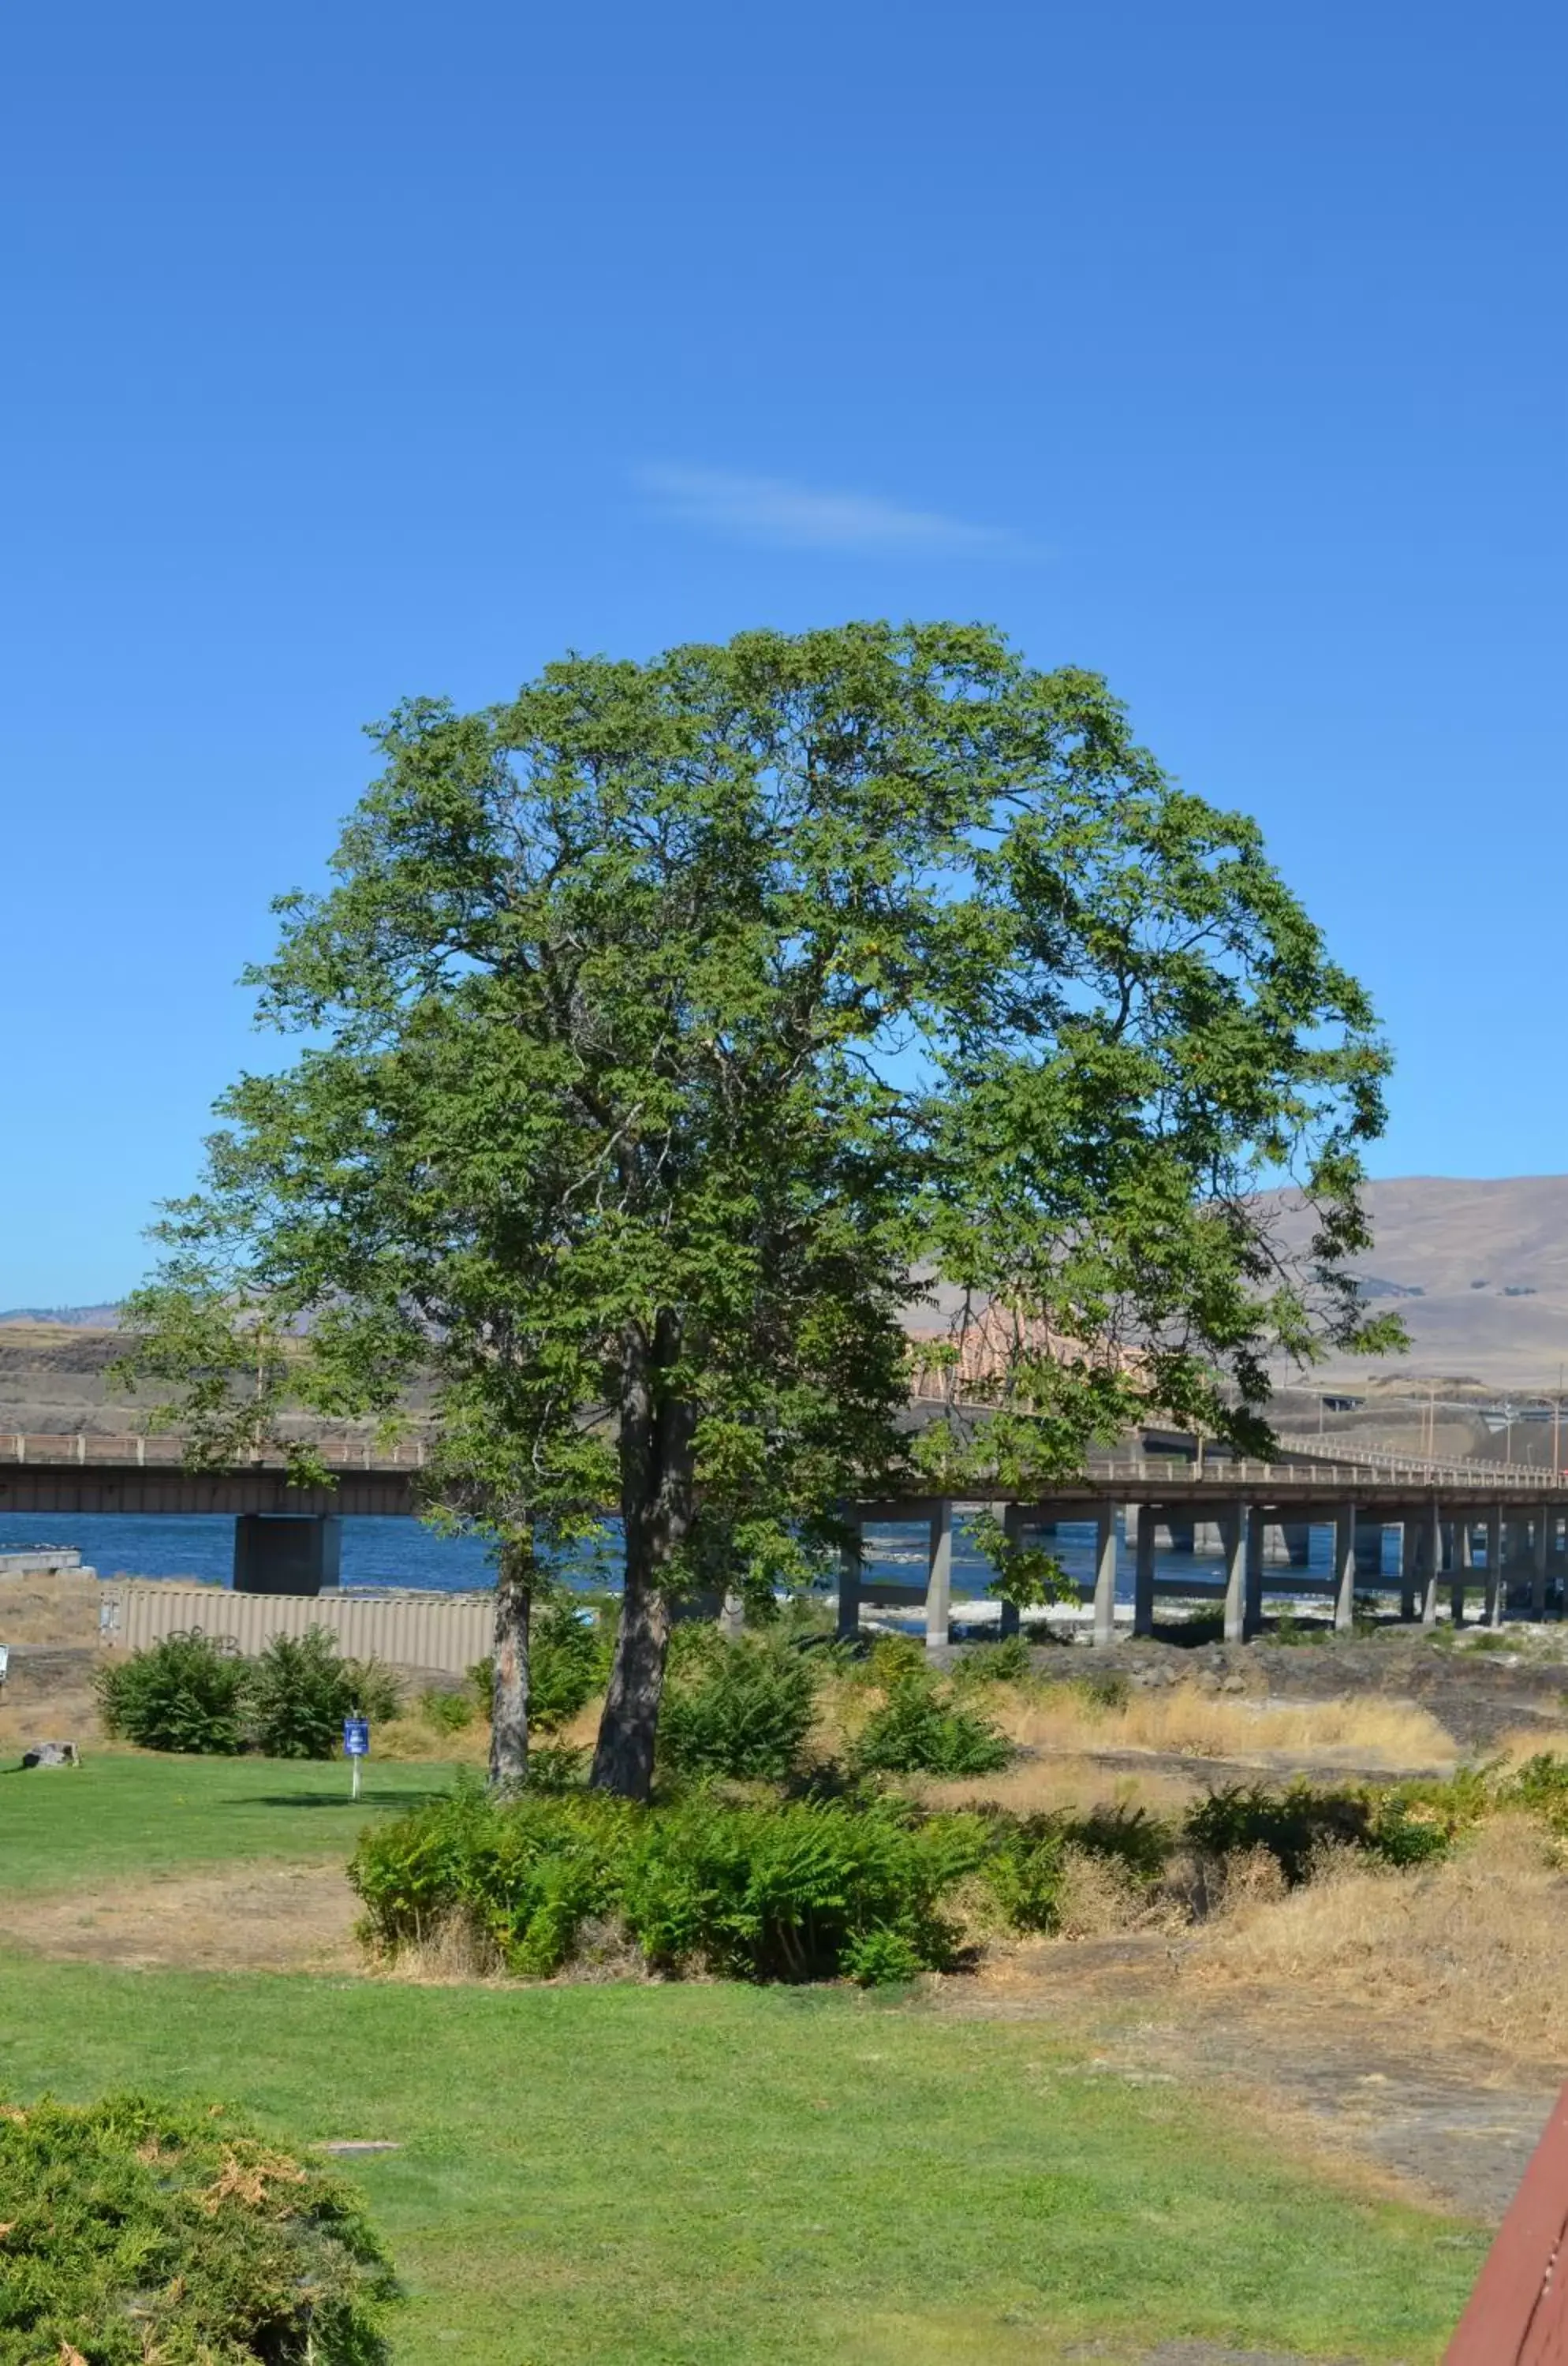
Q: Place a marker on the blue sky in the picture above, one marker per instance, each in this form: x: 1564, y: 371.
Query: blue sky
x: 353, y: 352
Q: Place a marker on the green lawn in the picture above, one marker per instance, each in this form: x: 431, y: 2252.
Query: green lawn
x: 710, y: 2175
x: 119, y: 1816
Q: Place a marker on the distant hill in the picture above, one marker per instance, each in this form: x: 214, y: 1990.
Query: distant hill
x: 72, y: 1318
x: 1478, y: 1274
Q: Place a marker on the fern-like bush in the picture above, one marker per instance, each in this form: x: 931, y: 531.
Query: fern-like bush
x: 185, y: 1693
x: 136, y: 2230
x: 919, y: 1729
x: 1295, y: 1824
x: 1005, y: 1661
x: 795, y: 1892
x: 740, y: 1709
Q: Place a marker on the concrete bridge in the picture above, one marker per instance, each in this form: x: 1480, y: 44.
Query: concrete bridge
x: 1473, y: 1525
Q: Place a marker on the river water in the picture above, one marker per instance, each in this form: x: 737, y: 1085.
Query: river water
x: 381, y: 1553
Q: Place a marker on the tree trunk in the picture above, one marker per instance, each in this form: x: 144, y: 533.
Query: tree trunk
x: 509, y: 1688
x: 658, y: 1505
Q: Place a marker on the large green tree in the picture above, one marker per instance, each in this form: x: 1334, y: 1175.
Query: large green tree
x: 668, y: 1029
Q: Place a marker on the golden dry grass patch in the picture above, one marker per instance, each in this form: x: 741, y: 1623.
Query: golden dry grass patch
x: 1182, y: 1721
x: 62, y: 1611
x: 1066, y: 1785
x: 1472, y: 1947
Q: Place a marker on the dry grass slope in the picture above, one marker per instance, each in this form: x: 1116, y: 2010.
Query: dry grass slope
x: 1470, y: 1947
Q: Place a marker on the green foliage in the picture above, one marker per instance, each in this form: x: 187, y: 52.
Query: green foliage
x: 569, y: 1662
x: 189, y: 1692
x: 555, y: 1766
x: 185, y: 1693
x: 891, y: 1658
x: 1027, y: 1871
x: 448, y: 1712
x: 1026, y: 1863
x: 594, y: 1102
x: 790, y: 1892
x: 741, y: 1708
x: 298, y: 1693
x: 1102, y: 1689
x: 1006, y: 1662
x: 136, y: 2229
x: 1025, y: 1574
x: 919, y: 1730
x: 1400, y: 1825
x: 1540, y: 1785
x: 1291, y: 1631
x: 776, y: 1892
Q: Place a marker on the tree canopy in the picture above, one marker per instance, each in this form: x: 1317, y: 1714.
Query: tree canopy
x: 669, y: 1031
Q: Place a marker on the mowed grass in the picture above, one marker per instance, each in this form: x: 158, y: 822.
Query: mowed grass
x: 120, y: 1816
x: 712, y: 2175
x: 709, y: 2175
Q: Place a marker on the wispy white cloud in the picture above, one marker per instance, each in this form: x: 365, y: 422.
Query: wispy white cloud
x: 801, y: 517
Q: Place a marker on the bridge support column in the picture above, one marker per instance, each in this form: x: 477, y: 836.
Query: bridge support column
x: 939, y: 1577
x: 1012, y: 1528
x: 286, y: 1552
x: 732, y: 1616
x: 1431, y: 1561
x: 1105, y: 1575
x: 1296, y: 1537
x: 1538, y: 1573
x: 1497, y: 1592
x: 1144, y: 1573
x: 1233, y: 1527
x: 1252, y: 1611
x: 1344, y: 1569
x: 1409, y: 1549
x: 1181, y: 1533
x: 1459, y: 1562
x: 851, y: 1564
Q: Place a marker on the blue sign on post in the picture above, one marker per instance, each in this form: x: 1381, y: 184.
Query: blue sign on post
x: 355, y: 1744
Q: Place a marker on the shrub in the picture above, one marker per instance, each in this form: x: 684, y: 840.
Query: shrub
x: 1026, y: 1863
x: 740, y: 1709
x: 789, y: 1893
x: 1026, y: 1869
x: 1295, y: 1824
x: 527, y: 1872
x: 1006, y: 1662
x: 557, y: 1767
x: 185, y: 1693
x: 1102, y: 1689
x: 448, y: 1712
x: 915, y: 1731
x: 375, y: 1690
x: 778, y: 1892
x: 137, y: 2229
x: 893, y: 1657
x: 300, y: 1694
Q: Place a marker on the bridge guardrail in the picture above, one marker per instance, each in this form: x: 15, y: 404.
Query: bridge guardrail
x: 86, y: 1448
x: 1384, y: 1467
